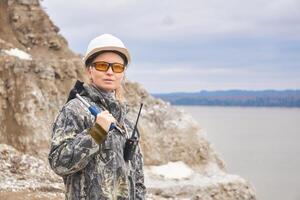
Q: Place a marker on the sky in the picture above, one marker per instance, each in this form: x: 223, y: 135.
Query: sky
x: 193, y: 45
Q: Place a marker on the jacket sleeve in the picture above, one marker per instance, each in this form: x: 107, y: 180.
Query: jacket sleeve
x: 140, y: 189
x: 72, y: 147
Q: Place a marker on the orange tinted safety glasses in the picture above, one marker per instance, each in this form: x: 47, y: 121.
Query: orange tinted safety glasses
x: 104, y: 66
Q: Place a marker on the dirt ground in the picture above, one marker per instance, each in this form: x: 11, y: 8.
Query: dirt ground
x: 31, y: 195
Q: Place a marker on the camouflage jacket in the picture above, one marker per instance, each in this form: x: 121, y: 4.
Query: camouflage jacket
x: 92, y: 171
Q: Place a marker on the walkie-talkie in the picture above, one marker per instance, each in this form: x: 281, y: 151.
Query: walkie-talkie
x: 132, y: 142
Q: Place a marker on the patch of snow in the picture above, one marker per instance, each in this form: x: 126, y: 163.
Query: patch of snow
x: 18, y: 53
x: 196, y: 180
x: 172, y: 170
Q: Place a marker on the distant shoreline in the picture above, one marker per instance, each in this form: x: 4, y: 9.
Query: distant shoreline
x: 241, y: 98
x: 295, y: 107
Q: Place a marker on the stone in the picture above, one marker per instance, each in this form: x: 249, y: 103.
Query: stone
x: 29, y: 2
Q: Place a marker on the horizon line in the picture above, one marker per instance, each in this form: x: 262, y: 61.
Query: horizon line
x: 226, y: 90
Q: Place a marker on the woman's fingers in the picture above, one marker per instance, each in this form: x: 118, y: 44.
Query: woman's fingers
x: 104, y: 119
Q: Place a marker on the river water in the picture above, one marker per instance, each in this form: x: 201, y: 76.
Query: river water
x: 260, y: 144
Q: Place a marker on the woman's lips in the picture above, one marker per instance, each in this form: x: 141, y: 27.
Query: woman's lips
x: 108, y: 80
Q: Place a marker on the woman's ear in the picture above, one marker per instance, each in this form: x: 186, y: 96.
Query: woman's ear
x: 88, y: 71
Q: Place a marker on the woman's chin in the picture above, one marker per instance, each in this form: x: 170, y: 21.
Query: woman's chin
x: 108, y: 87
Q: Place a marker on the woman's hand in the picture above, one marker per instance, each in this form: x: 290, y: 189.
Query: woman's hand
x: 104, y: 119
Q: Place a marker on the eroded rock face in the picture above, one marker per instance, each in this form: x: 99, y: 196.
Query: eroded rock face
x: 37, y: 70
x: 32, y: 89
x: 31, y: 93
x: 31, y: 28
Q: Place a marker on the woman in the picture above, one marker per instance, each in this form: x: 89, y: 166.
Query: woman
x: 85, y: 151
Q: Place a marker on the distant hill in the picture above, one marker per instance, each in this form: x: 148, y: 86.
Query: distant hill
x: 278, y: 98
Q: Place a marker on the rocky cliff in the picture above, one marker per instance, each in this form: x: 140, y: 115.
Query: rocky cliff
x: 37, y: 69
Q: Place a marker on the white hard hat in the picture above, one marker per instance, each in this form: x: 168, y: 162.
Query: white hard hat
x: 106, y: 42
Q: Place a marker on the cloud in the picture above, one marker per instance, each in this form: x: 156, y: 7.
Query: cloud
x: 161, y: 20
x: 193, y: 44
x: 182, y: 77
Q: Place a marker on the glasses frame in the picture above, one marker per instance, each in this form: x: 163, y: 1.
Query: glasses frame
x: 110, y: 65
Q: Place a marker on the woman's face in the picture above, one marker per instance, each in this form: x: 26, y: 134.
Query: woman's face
x: 109, y: 80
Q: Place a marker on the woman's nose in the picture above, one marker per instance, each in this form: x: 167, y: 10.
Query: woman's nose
x: 110, y: 71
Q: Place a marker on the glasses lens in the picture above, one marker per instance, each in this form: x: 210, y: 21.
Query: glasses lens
x: 101, y: 66
x: 118, y: 68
